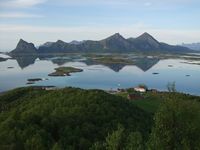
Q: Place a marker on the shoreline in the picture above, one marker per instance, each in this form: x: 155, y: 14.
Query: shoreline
x: 111, y: 91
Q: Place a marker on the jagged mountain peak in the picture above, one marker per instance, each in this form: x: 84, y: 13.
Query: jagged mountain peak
x: 24, y: 43
x: 60, y: 41
x: 116, y: 43
x: 21, y: 40
x: 146, y: 42
x: 146, y: 36
x: 24, y: 47
x: 116, y: 36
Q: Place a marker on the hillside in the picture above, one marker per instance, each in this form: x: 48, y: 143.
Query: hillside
x: 113, y: 44
x: 69, y: 118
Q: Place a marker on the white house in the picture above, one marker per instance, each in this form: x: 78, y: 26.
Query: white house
x: 140, y: 89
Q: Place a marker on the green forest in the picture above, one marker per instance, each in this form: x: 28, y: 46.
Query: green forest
x: 77, y: 119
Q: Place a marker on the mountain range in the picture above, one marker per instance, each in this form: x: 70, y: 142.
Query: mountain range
x: 113, y: 44
x: 193, y: 46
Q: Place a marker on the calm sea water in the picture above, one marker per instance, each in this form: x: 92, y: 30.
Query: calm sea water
x: 102, y: 76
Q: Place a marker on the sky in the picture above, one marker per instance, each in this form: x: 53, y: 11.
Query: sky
x: 39, y: 21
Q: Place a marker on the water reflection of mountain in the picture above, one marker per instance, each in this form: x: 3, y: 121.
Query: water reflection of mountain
x: 144, y: 63
x: 25, y: 61
x: 114, y: 67
x: 3, y: 59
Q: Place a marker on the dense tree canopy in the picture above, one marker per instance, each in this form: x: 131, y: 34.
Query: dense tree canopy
x: 177, y: 126
x: 65, y: 119
x: 70, y: 118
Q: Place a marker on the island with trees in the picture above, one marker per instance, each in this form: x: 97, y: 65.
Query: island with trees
x: 65, y: 71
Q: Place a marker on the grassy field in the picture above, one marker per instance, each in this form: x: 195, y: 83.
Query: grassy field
x: 151, y: 101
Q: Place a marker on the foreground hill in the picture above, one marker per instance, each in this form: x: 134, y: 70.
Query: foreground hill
x: 68, y: 118
x: 113, y: 44
x: 36, y: 119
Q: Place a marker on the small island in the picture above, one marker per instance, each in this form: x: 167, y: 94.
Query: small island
x: 64, y: 71
x: 3, y: 59
x: 33, y: 80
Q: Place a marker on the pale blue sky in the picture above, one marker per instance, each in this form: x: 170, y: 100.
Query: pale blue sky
x: 38, y: 21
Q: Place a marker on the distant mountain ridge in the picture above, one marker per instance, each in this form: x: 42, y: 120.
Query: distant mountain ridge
x: 193, y: 46
x: 115, y: 43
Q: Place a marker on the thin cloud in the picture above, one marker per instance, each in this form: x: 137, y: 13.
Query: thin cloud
x: 19, y: 15
x: 20, y: 3
x: 119, y: 2
x: 61, y: 29
x: 99, y: 32
x: 147, y: 4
